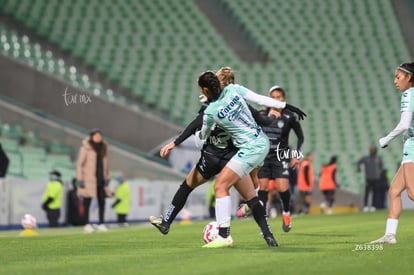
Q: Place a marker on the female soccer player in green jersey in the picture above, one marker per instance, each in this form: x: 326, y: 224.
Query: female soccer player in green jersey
x: 228, y: 109
x: 404, y: 179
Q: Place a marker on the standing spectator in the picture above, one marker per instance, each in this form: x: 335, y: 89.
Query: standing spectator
x: 4, y: 163
x: 327, y: 185
x: 305, y: 183
x: 52, y: 198
x: 382, y: 190
x: 122, y: 200
x: 92, y: 174
x: 373, y: 168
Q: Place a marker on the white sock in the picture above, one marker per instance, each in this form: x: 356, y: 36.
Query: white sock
x: 223, y: 211
x: 391, y: 228
x: 257, y: 190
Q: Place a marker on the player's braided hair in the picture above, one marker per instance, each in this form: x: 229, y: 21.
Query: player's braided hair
x: 408, y: 68
x: 210, y: 81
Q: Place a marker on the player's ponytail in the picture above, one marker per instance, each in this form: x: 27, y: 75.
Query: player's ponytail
x: 210, y: 81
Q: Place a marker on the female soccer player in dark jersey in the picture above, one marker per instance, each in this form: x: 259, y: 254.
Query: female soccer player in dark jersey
x: 280, y: 157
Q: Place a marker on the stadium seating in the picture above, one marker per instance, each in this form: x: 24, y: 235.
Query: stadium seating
x: 26, y: 150
x: 335, y: 59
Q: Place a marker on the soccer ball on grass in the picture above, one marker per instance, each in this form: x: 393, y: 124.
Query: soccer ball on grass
x: 210, y: 232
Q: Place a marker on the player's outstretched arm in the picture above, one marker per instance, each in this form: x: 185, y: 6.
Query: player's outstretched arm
x: 402, y: 126
x: 270, y: 102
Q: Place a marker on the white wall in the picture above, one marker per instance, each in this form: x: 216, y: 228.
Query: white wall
x: 20, y: 196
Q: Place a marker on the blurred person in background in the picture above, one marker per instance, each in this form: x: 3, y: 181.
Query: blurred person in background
x: 92, y: 175
x: 74, y: 206
x: 373, y: 168
x: 122, y: 201
x: 52, y: 198
x: 384, y: 185
x: 404, y: 178
x: 305, y: 183
x: 4, y: 163
x: 328, y: 185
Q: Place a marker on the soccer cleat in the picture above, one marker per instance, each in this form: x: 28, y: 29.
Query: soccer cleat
x: 386, y: 239
x: 271, y: 241
x: 322, y: 207
x: 287, y: 223
x: 330, y: 211
x: 219, y: 242
x: 243, y: 211
x: 88, y: 228
x: 102, y: 228
x: 160, y: 224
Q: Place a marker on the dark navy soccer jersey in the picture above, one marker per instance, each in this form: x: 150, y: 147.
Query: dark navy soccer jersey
x: 278, y: 132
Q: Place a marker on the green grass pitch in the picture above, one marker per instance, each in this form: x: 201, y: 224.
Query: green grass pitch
x: 316, y: 245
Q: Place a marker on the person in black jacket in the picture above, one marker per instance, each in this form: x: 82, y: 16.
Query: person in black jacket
x: 4, y: 163
x: 75, y: 214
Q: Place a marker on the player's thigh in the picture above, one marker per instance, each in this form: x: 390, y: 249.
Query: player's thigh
x: 398, y: 183
x: 264, y: 174
x: 408, y: 170
x: 194, y: 178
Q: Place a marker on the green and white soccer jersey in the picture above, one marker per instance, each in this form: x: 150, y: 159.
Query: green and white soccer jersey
x: 407, y: 105
x: 231, y: 113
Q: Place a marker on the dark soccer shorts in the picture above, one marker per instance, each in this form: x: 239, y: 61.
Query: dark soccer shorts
x: 274, y: 170
x: 210, y: 164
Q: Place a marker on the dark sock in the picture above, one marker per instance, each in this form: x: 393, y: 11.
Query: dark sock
x: 224, y: 232
x: 330, y: 203
x: 177, y: 202
x: 263, y: 195
x: 259, y: 214
x: 285, y: 198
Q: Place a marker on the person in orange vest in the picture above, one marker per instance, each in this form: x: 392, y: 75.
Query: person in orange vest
x: 327, y: 185
x: 305, y: 182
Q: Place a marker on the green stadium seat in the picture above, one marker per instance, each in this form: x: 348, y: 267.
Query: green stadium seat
x: 321, y: 58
